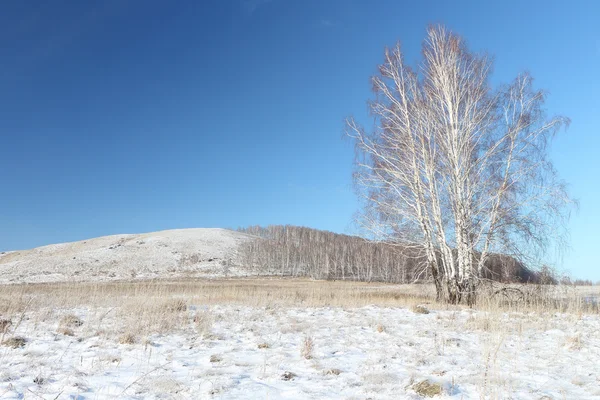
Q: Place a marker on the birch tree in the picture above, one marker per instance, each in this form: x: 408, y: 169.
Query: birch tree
x: 457, y: 167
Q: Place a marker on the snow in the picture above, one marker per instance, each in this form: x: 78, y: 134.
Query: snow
x: 379, y: 352
x: 359, y: 353
x: 166, y: 254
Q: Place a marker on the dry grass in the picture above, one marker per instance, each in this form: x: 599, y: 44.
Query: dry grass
x: 175, y: 295
x: 15, y: 342
x: 308, y: 346
x: 71, y: 321
x: 144, y: 308
x: 4, y: 325
x: 170, y: 297
x: 65, y: 331
x: 419, y: 309
x: 427, y: 389
x: 574, y: 342
x: 127, y: 338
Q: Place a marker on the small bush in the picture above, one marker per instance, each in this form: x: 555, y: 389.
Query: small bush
x: 427, y: 389
x: 71, y: 321
x: 65, y: 331
x: 4, y: 325
x: 420, y: 310
x: 127, y: 338
x: 15, y: 342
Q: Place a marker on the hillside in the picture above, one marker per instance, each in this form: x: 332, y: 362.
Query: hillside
x: 213, y: 253
x: 164, y: 254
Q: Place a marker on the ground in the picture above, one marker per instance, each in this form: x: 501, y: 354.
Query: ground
x: 174, y: 342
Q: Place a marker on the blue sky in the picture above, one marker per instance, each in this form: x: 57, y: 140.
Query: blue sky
x: 132, y: 116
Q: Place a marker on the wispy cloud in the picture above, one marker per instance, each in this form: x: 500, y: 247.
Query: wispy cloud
x: 328, y: 23
x: 250, y: 6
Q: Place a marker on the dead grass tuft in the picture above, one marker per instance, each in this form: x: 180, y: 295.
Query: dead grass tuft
x: 176, y: 306
x: 418, y: 309
x: 4, y: 325
x: 574, y: 342
x: 427, y: 389
x: 308, y: 346
x: 127, y: 338
x: 15, y: 342
x: 71, y: 321
x: 63, y: 330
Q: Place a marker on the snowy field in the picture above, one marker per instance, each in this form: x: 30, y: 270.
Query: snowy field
x: 179, y: 346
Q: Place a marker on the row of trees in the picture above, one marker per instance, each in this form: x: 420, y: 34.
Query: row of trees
x: 299, y: 251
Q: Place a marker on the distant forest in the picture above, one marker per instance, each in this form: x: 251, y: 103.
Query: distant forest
x: 295, y: 251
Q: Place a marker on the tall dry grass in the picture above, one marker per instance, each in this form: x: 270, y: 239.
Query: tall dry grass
x: 140, y: 308
x: 262, y: 292
x: 254, y: 292
x: 148, y: 307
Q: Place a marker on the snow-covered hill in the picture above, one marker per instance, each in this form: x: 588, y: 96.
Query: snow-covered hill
x: 165, y: 254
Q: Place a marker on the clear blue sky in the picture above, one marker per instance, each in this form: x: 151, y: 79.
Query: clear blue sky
x: 132, y: 116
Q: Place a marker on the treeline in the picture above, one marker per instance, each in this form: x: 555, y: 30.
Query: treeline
x: 299, y: 251
x: 577, y: 282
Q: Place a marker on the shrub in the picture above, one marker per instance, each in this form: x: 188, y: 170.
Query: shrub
x: 127, y: 338
x: 15, y: 342
x: 420, y: 310
x: 4, y: 325
x: 427, y: 389
x: 71, y: 321
x: 65, y: 331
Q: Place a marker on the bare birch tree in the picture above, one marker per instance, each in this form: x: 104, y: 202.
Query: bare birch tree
x: 457, y: 167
